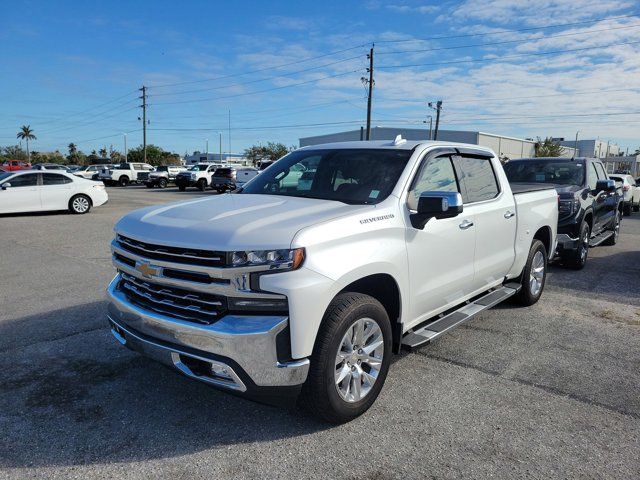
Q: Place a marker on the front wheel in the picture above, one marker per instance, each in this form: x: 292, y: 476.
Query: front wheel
x: 202, y: 184
x: 162, y: 183
x: 182, y: 188
x: 123, y: 181
x: 350, y: 359
x: 79, y: 204
x: 534, y: 275
x: 578, y: 258
x: 627, y: 209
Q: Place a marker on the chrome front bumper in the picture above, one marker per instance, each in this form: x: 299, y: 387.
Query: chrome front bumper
x: 237, y: 352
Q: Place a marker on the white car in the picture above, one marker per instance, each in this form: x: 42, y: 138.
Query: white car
x: 318, y: 281
x: 630, y: 191
x: 88, y: 171
x: 39, y: 191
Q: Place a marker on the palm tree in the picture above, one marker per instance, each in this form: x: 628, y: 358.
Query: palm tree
x: 73, y: 149
x: 26, y: 133
x: 103, y: 152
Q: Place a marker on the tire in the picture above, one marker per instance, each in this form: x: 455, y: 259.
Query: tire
x: 219, y: 190
x: 149, y: 185
x: 636, y: 207
x: 578, y: 259
x: 162, y: 183
x: 123, y: 181
x: 613, y: 239
x: 79, y: 204
x: 534, y: 275
x: 626, y: 209
x: 339, y: 401
x: 182, y: 188
x: 202, y: 184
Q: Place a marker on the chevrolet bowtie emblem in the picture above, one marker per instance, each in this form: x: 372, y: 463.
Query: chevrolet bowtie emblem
x: 147, y: 270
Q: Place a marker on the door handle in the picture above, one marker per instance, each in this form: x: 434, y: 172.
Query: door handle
x: 466, y: 224
x: 509, y: 214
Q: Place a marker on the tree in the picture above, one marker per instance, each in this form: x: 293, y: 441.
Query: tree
x: 155, y: 156
x: 548, y: 148
x: 103, y: 152
x: 26, y: 133
x: 73, y: 149
x: 13, y: 152
x: 270, y: 151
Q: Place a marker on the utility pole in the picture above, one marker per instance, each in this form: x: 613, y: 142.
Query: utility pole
x: 575, y: 145
x: 220, y: 133
x: 144, y: 122
x: 125, y: 147
x: 430, y: 126
x: 207, y: 149
x: 229, y: 131
x: 437, y: 108
x: 369, y: 82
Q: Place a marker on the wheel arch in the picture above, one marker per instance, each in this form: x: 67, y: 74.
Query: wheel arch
x: 544, y: 234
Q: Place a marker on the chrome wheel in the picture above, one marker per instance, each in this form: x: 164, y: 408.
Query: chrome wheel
x: 80, y: 204
x: 359, y: 360
x: 584, y: 246
x: 616, y: 228
x: 536, y: 274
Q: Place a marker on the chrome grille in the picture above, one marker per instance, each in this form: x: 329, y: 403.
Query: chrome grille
x: 175, y: 302
x: 172, y: 254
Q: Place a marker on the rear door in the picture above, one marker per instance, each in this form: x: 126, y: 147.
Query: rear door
x: 494, y: 211
x: 607, y: 201
x: 23, y: 194
x: 56, y: 191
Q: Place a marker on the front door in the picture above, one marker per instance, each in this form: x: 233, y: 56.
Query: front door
x: 22, y: 195
x: 441, y: 255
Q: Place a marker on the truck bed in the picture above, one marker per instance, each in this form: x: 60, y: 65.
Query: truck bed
x: 519, y: 187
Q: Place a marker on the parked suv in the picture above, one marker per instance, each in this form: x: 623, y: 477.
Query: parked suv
x: 197, y: 176
x: 164, y: 175
x: 230, y: 178
x: 630, y: 192
x: 590, y: 206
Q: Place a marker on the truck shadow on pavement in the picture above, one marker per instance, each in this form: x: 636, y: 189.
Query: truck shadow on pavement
x: 76, y: 396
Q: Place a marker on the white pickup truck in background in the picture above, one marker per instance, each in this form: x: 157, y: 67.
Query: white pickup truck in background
x: 310, y: 286
x: 125, y: 173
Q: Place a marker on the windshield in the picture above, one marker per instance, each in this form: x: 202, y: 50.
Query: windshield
x: 4, y: 176
x: 545, y: 171
x: 162, y: 168
x: 355, y: 176
x: 200, y: 168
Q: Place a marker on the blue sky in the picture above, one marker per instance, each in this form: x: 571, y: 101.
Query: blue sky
x: 288, y: 69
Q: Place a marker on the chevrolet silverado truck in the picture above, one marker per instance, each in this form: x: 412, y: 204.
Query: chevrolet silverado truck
x: 197, y: 176
x: 590, y: 205
x: 163, y: 175
x: 306, y: 290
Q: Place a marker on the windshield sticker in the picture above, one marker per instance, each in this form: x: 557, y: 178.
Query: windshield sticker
x: 374, y: 194
x: 377, y: 219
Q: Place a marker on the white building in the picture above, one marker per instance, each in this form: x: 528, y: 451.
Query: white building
x: 591, y: 148
x: 505, y: 147
x: 198, y: 157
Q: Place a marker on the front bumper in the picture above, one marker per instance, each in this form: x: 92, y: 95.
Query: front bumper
x: 237, y: 353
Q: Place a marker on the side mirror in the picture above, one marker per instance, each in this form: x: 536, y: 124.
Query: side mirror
x: 436, y: 205
x: 605, y: 186
x: 6, y: 185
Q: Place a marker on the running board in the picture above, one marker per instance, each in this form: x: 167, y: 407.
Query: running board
x: 433, y: 330
x: 601, y: 237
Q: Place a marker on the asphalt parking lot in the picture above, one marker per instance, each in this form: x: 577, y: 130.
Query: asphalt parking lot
x: 544, y: 392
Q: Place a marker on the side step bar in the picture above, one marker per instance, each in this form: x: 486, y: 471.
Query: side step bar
x: 433, y: 330
x: 601, y: 237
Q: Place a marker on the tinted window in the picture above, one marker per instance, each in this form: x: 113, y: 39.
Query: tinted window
x: 28, y: 180
x: 222, y: 171
x: 436, y: 174
x: 592, y: 176
x: 54, y: 179
x: 478, y: 178
x: 357, y: 176
x: 601, y: 173
x: 162, y: 168
x: 544, y: 171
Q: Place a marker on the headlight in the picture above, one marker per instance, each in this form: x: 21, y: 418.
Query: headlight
x: 193, y: 176
x: 291, y: 258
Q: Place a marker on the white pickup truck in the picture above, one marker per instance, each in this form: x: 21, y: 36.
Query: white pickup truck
x: 311, y: 288
x: 125, y: 173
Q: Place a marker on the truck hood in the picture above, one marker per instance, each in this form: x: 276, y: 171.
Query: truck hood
x: 232, y: 221
x: 568, y: 191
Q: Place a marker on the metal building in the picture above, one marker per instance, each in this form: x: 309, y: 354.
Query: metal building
x: 505, y: 147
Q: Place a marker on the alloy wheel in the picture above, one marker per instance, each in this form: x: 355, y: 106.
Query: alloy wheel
x: 536, y: 274
x: 359, y: 360
x: 80, y: 204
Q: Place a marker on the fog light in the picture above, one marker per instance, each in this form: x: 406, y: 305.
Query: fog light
x: 220, y: 371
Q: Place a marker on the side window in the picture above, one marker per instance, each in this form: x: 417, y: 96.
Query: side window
x: 54, y: 179
x: 137, y: 166
x: 27, y: 180
x: 601, y: 173
x: 592, y: 176
x: 478, y: 178
x: 436, y: 174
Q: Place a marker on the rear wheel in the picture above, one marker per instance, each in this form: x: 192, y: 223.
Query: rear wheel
x: 636, y: 207
x: 578, y: 259
x: 123, y: 181
x: 79, y: 204
x: 613, y: 239
x: 350, y: 359
x: 534, y: 275
x: 162, y: 183
x: 202, y: 184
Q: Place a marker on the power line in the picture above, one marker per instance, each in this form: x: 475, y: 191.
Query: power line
x: 488, y: 44
x: 273, y: 67
x: 258, y: 91
x: 500, y: 32
x: 505, y: 57
x: 82, y: 124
